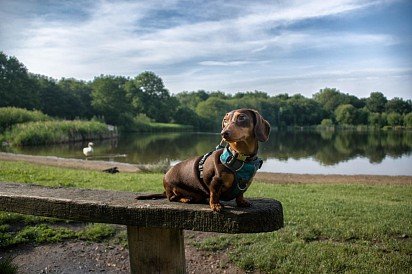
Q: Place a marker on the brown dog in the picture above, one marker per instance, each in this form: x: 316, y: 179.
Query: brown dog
x: 223, y: 174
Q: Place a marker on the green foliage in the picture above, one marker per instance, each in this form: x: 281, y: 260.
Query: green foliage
x: 327, y: 123
x: 52, y: 132
x: 96, y: 232
x: 148, y: 95
x: 213, y: 110
x: 408, y: 120
x: 16, y: 87
x: 118, y: 100
x: 81, y: 92
x: 346, y: 114
x: 376, y: 102
x: 377, y: 120
x: 7, y: 266
x: 109, y: 100
x: 10, y: 116
x: 394, y: 119
x: 398, y: 105
x: 331, y: 98
x: 46, y: 230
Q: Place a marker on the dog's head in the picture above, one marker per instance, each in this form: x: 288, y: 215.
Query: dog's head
x: 243, y: 124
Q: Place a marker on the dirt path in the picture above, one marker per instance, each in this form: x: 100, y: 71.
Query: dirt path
x: 76, y: 256
x: 85, y: 257
x: 70, y: 163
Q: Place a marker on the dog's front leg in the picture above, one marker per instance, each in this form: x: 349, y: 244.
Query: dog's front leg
x: 215, y: 189
x: 242, y: 202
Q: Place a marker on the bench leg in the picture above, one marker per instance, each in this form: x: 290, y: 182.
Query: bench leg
x: 156, y: 250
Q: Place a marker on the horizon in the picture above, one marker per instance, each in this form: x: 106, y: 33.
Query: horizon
x: 357, y: 47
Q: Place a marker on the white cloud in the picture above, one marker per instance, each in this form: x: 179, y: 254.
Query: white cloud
x: 215, y: 38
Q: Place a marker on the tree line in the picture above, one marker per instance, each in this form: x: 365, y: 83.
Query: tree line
x: 125, y: 101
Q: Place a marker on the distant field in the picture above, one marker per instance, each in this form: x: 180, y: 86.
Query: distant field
x: 329, y: 227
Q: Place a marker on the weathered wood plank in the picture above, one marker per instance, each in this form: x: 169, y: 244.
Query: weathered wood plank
x: 121, y: 208
x: 156, y: 250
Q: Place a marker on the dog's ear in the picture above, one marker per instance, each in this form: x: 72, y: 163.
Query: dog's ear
x: 262, y: 127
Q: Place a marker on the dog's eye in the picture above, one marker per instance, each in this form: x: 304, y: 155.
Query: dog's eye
x: 241, y: 118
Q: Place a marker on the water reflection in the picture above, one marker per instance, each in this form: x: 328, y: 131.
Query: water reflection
x: 326, y: 148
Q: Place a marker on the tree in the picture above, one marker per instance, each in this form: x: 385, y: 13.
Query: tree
x: 82, y: 93
x: 191, y: 99
x: 148, y: 95
x: 306, y: 111
x: 17, y: 88
x: 187, y: 116
x: 408, y: 120
x: 395, y: 119
x: 376, y: 102
x: 398, y: 105
x: 109, y: 100
x: 331, y: 98
x: 213, y: 110
x: 55, y: 101
x: 376, y: 119
x: 346, y: 114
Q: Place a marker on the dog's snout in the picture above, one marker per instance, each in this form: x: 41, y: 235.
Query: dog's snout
x: 225, y: 134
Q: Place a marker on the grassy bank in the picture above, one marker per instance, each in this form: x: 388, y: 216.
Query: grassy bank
x: 158, y: 127
x: 55, y: 132
x: 10, y: 116
x: 328, y: 227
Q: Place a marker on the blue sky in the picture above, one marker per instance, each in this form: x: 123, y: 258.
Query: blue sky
x: 357, y: 47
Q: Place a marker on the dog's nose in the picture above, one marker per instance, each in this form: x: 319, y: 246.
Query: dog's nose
x: 225, y: 134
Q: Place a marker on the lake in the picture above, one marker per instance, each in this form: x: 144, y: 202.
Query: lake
x: 307, y: 152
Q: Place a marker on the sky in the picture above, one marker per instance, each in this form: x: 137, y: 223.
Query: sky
x: 233, y: 46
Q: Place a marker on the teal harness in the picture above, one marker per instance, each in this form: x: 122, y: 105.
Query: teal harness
x: 243, y: 171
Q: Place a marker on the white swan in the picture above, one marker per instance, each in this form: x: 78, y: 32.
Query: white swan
x: 88, y: 150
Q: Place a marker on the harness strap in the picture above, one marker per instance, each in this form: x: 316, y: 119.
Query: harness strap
x: 203, y: 160
x: 244, y: 171
x: 201, y: 163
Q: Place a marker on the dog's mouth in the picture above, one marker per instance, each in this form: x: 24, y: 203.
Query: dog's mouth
x: 233, y: 140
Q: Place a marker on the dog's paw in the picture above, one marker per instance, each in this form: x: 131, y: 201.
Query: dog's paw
x: 243, y: 203
x: 216, y: 207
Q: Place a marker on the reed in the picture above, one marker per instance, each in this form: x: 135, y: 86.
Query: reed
x: 56, y: 132
x: 10, y: 116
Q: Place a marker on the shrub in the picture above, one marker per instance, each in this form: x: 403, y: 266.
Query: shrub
x: 10, y: 116
x: 54, y: 132
x: 326, y: 123
x: 407, y: 120
x: 394, y: 119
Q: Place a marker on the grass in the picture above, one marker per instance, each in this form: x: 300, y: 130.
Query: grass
x: 329, y: 228
x: 10, y: 116
x: 52, y: 132
x: 147, y: 126
x: 7, y: 266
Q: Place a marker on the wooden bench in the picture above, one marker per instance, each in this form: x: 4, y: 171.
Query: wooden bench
x: 154, y: 228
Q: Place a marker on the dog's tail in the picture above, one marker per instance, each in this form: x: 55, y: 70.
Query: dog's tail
x: 151, y: 196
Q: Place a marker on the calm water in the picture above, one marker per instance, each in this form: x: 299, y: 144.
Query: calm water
x: 384, y: 153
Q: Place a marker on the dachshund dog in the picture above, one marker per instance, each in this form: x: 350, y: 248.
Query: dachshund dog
x: 222, y: 174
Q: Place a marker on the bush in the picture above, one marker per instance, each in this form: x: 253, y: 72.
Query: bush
x: 55, y: 132
x: 10, y: 116
x: 394, y: 119
x: 407, y: 120
x: 326, y: 123
x: 376, y: 120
